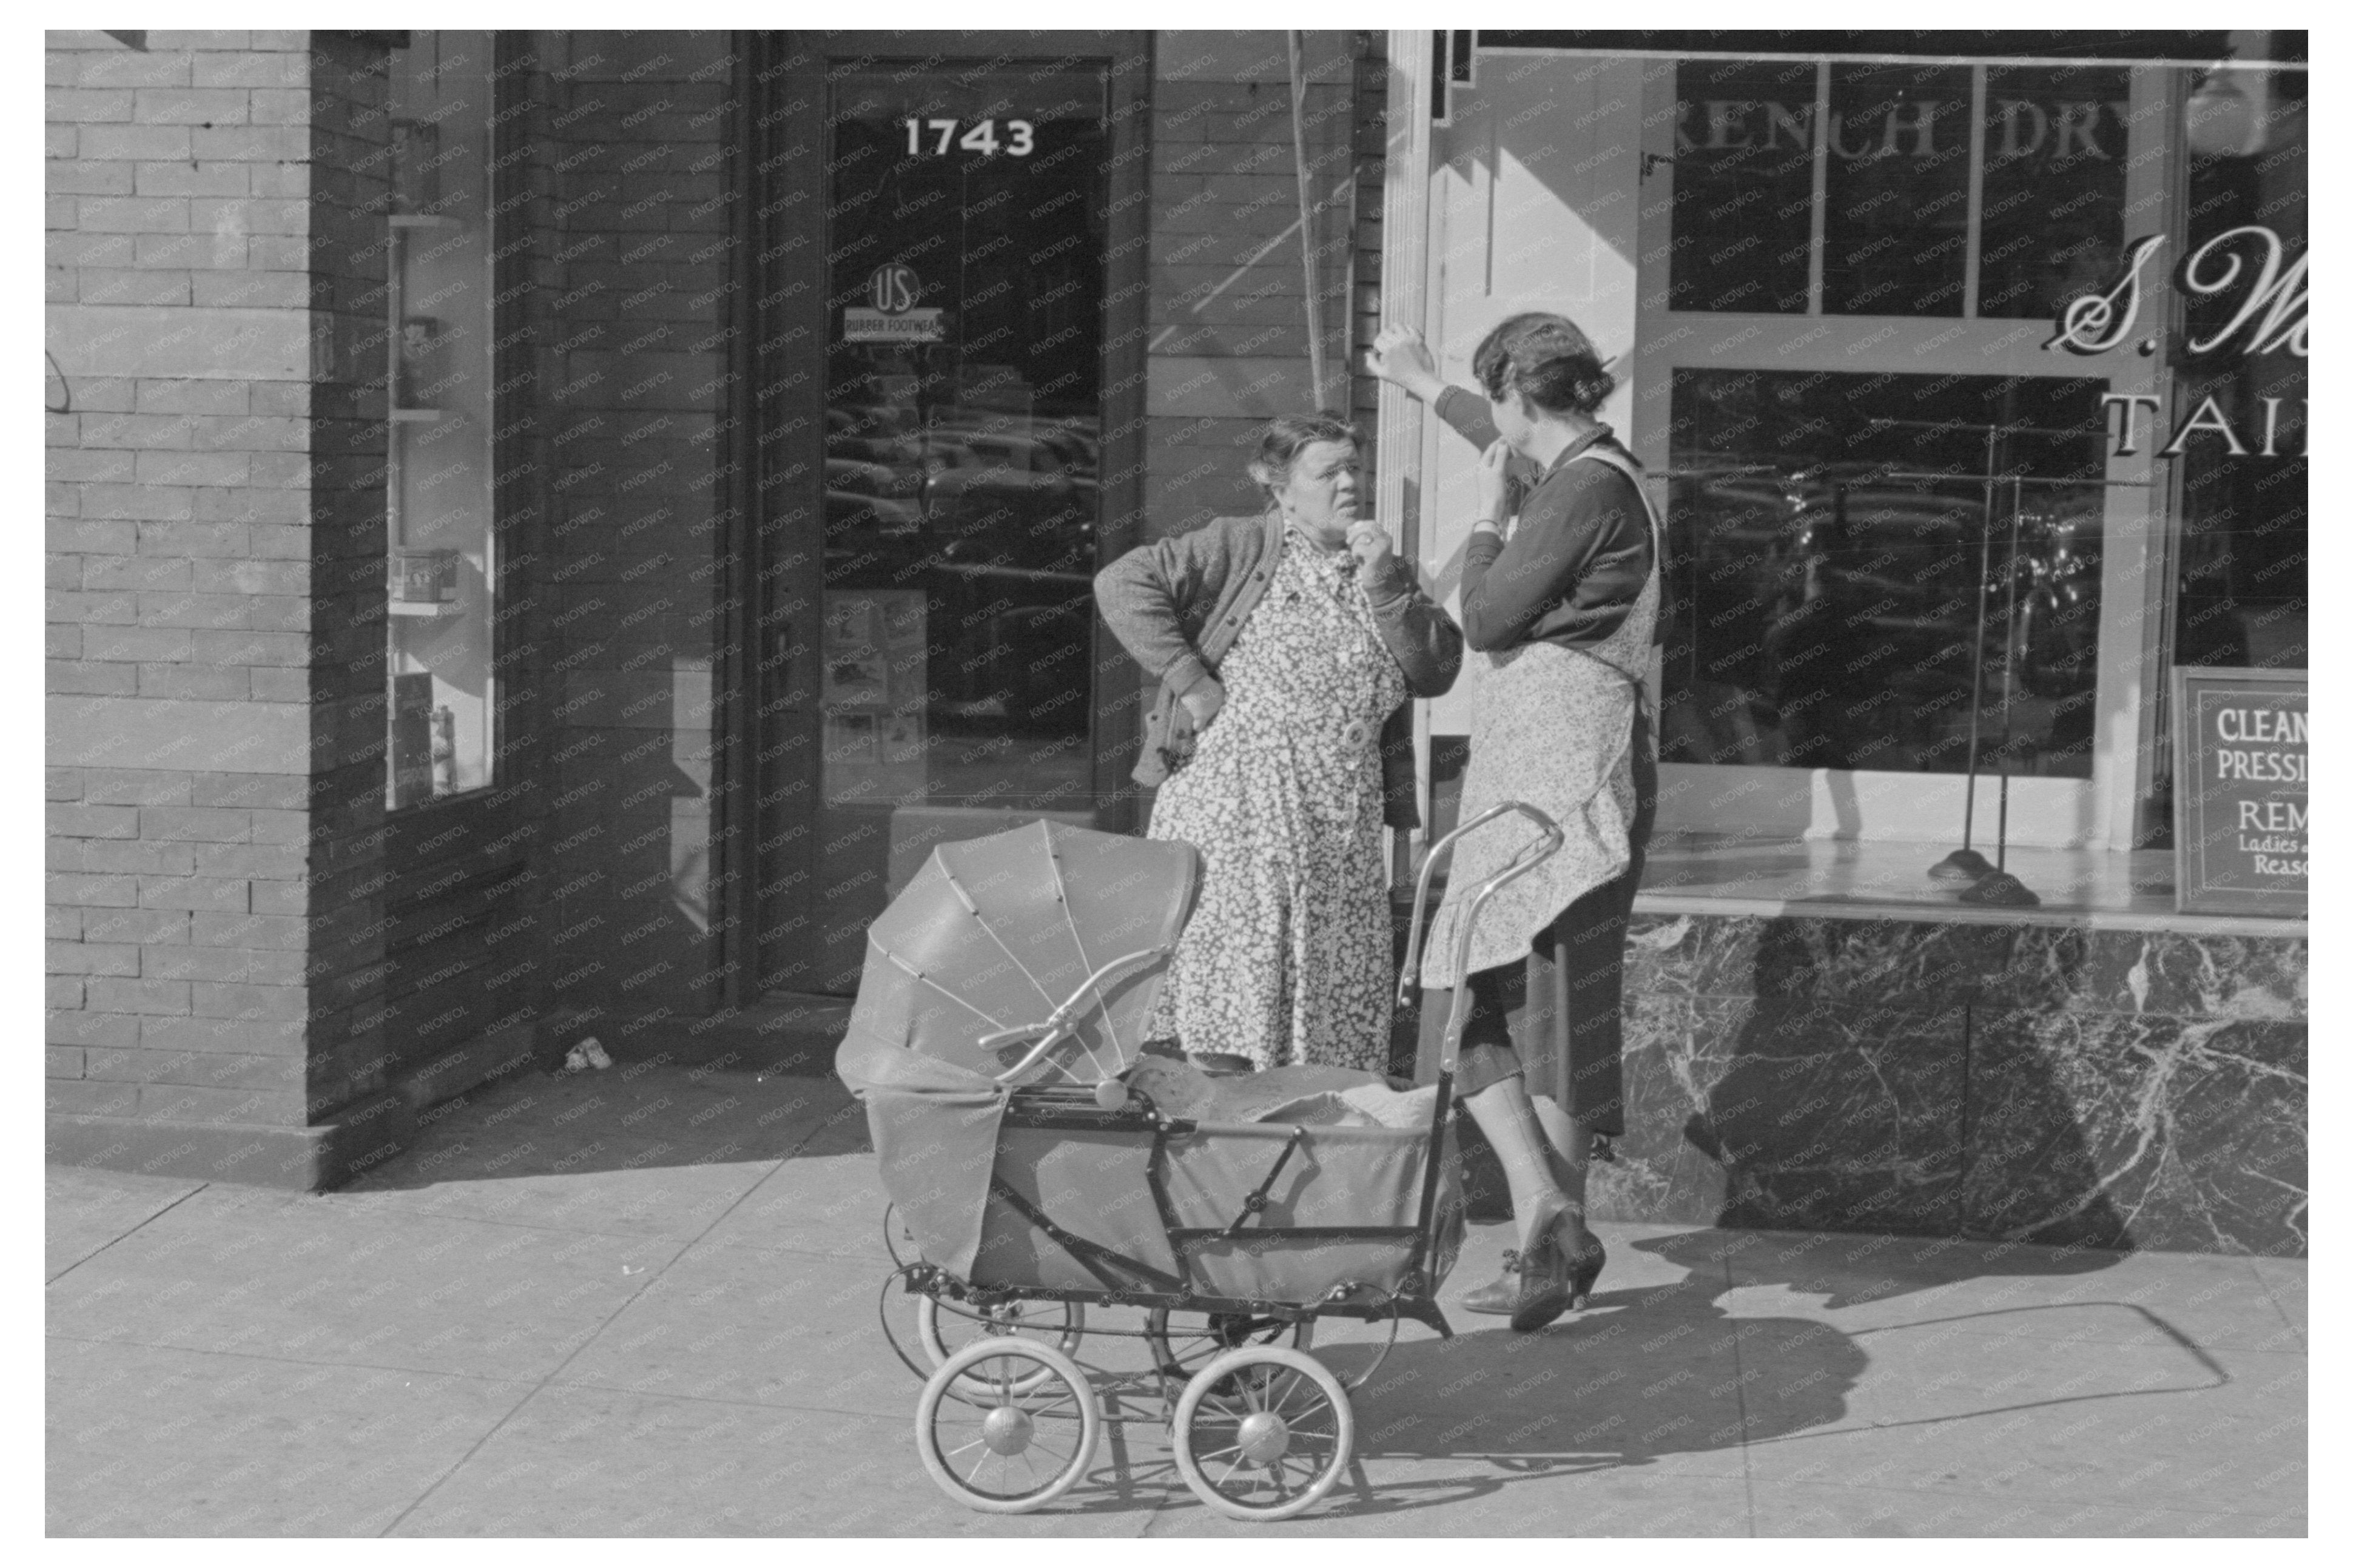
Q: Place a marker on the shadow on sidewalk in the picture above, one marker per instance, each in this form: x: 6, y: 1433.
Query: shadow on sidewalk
x: 1662, y: 1376
x: 632, y: 1117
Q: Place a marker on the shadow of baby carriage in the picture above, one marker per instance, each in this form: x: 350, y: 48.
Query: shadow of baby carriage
x: 1650, y: 1376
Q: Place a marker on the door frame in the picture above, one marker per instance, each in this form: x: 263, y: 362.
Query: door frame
x: 772, y: 532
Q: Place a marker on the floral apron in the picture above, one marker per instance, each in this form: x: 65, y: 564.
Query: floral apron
x: 1554, y: 726
x: 1286, y: 958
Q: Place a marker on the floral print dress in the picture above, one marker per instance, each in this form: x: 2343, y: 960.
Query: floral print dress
x: 1286, y: 959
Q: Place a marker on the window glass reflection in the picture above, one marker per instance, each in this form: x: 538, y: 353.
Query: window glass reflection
x: 2052, y: 224
x: 2243, y: 595
x: 1743, y: 183
x: 1829, y: 541
x: 968, y: 218
x: 1896, y: 232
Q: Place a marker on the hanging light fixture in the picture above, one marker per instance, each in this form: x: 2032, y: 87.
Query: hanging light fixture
x: 2224, y: 118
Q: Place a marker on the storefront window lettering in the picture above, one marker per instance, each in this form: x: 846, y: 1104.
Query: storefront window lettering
x: 1853, y: 190
x: 2274, y: 303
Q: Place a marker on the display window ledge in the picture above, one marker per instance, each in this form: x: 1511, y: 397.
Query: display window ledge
x: 2098, y: 890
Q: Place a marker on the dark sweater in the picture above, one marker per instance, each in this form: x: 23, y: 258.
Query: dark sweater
x: 1178, y: 604
x: 1577, y: 558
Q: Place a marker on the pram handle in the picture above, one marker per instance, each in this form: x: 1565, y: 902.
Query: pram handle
x: 1055, y: 1027
x: 1526, y: 861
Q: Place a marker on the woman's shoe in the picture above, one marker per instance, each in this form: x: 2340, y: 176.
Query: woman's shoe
x: 1545, y: 1285
x: 1502, y: 1298
x: 1498, y: 1300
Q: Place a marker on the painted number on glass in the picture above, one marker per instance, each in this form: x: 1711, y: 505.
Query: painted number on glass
x: 940, y: 137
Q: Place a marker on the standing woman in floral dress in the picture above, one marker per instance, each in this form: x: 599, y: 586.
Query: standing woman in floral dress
x: 1285, y: 646
x: 1564, y: 610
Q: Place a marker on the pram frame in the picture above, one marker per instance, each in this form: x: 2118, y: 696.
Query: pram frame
x: 1067, y: 1108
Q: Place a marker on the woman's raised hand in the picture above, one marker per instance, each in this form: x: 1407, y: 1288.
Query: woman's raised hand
x: 1495, y: 486
x: 1368, y: 541
x: 1400, y: 355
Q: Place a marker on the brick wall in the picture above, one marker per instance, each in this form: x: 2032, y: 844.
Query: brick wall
x: 215, y: 629
x: 1229, y: 341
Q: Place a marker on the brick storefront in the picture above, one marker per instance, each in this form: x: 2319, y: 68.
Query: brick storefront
x: 258, y: 970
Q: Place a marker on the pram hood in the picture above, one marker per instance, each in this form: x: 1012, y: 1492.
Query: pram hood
x: 994, y: 933
x: 998, y: 933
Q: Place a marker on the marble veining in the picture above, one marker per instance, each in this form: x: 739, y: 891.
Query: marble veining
x: 1785, y: 1114
x: 2115, y: 1088
x: 2146, y: 1131
x: 2158, y: 972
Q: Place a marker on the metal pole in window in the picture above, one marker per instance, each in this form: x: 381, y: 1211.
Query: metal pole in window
x: 1820, y: 221
x: 2001, y: 888
x: 1974, y: 250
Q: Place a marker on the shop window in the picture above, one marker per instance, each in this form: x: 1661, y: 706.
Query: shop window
x: 1847, y: 189
x: 442, y: 555
x: 2241, y: 595
x: 1895, y: 198
x: 2052, y: 224
x: 1851, y: 591
x: 1744, y: 198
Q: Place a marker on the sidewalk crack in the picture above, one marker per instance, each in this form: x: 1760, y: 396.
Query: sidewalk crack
x: 596, y: 1333
x: 134, y: 1230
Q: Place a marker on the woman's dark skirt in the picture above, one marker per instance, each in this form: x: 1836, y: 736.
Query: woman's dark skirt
x: 1556, y: 1019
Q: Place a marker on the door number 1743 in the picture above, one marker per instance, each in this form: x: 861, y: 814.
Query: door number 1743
x: 980, y: 136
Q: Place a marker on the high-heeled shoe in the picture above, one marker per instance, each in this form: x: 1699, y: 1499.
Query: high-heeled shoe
x: 1546, y: 1285
x: 1502, y: 1298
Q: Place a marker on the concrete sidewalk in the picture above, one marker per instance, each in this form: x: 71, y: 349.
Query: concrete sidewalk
x: 643, y: 1302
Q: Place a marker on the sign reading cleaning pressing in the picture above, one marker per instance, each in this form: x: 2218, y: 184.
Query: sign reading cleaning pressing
x: 2241, y: 792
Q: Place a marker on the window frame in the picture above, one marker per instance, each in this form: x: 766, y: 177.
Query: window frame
x: 2138, y: 545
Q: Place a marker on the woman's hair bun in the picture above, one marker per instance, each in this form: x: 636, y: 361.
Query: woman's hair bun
x: 1546, y: 357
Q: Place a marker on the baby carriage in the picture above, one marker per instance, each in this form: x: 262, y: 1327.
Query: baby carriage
x: 1042, y: 1166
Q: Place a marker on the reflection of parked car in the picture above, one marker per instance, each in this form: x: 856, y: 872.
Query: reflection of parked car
x: 1843, y: 603
x: 869, y: 537
x: 858, y: 476
x: 994, y: 513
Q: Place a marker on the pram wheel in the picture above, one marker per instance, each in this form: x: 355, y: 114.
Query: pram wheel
x: 1019, y: 1431
x: 947, y: 1329
x: 1263, y: 1433
x: 1184, y: 1343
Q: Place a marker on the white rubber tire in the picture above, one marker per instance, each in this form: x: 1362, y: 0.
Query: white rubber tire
x: 1063, y: 1384
x: 1288, y: 1503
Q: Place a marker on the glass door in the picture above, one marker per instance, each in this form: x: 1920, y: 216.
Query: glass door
x: 941, y: 535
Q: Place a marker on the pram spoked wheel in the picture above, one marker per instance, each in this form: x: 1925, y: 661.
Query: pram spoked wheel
x: 947, y: 1329
x: 1263, y: 1433
x: 1019, y: 1430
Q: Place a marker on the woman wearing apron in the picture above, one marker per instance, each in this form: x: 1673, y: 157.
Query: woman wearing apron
x: 1563, y: 609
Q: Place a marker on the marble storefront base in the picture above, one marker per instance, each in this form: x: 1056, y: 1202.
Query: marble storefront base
x: 2115, y: 1130
x: 2035, y: 1082
x: 1788, y: 1115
